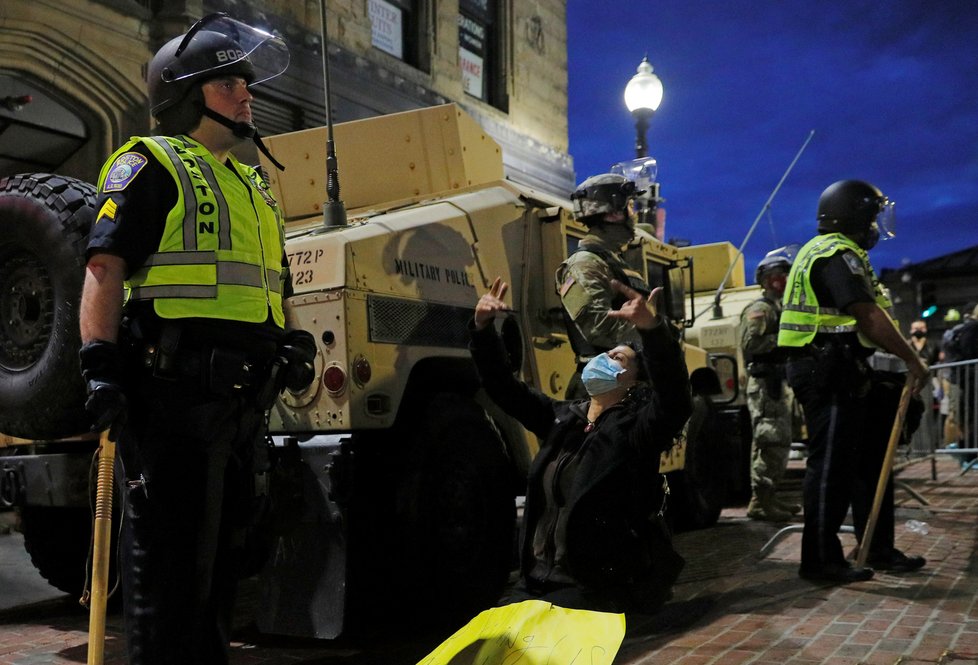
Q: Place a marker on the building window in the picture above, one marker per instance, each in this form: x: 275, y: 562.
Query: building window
x: 397, y: 27
x: 481, y: 51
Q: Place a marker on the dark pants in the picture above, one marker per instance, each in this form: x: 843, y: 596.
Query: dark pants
x: 845, y: 454
x: 187, y: 461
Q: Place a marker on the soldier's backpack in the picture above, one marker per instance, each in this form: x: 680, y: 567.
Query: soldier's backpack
x: 961, y: 342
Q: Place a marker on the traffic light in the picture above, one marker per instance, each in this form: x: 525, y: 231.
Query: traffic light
x: 927, y: 297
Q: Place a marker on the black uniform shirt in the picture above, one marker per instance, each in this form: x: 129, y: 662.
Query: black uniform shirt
x: 840, y: 281
x: 133, y: 232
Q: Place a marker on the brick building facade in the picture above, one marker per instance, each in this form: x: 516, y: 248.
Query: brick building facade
x: 83, y: 64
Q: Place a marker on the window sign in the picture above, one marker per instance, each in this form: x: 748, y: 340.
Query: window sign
x: 386, y: 27
x: 471, y: 54
x: 472, y: 72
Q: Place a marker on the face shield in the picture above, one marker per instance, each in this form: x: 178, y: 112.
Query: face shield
x: 642, y: 172
x: 267, y: 55
x: 886, y: 219
x: 788, y: 252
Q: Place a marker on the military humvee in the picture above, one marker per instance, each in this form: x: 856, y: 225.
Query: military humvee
x: 396, y: 476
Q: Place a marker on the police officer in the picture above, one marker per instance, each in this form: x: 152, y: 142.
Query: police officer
x: 836, y: 313
x: 768, y: 398
x: 184, y: 368
x: 584, y: 280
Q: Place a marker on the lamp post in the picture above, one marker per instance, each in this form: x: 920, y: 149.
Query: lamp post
x: 643, y: 94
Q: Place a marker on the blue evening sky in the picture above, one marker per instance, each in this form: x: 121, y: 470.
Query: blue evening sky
x: 890, y: 88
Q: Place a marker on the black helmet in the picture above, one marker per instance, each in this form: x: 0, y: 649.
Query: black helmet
x: 771, y: 263
x: 851, y: 206
x: 600, y: 195
x: 216, y: 45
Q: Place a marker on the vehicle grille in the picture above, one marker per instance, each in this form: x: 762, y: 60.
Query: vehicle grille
x: 397, y: 321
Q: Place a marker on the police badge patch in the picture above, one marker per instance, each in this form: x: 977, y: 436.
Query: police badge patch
x: 854, y: 263
x: 124, y: 170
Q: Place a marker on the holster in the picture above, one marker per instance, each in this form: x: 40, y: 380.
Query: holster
x: 839, y: 369
x: 772, y: 374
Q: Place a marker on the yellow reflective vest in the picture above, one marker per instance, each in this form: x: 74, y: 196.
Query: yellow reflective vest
x: 221, y: 252
x: 802, y: 317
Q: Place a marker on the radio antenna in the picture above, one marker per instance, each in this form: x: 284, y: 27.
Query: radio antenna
x: 334, y: 212
x: 717, y: 308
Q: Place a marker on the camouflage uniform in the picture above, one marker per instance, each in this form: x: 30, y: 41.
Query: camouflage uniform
x: 584, y: 284
x: 769, y: 403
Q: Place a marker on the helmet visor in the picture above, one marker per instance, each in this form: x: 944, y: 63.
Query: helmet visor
x: 886, y: 219
x: 642, y: 172
x: 267, y: 54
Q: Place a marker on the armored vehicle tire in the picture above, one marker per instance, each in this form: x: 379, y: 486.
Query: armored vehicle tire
x: 57, y: 540
x: 701, y: 487
x: 456, y: 509
x: 44, y: 223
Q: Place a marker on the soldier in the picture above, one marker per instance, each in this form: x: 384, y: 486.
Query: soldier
x: 768, y: 397
x: 584, y: 280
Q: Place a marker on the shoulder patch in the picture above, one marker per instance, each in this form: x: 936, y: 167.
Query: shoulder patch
x: 855, y: 265
x: 124, y: 170
x: 565, y: 287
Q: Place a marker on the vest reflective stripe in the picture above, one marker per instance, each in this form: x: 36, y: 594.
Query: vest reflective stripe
x: 223, y: 214
x: 187, y: 193
x: 274, y: 280
x: 802, y: 317
x: 208, y: 266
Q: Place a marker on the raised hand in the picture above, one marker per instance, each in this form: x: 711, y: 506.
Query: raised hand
x: 641, y: 312
x: 491, y: 304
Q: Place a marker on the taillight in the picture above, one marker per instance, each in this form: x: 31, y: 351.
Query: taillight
x: 334, y: 380
x: 361, y: 370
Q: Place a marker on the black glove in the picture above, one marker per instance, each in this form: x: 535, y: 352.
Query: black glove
x: 297, y: 349
x: 101, y: 368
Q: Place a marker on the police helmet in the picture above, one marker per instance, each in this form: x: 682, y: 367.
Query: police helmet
x: 216, y: 45
x: 600, y: 195
x: 854, y: 206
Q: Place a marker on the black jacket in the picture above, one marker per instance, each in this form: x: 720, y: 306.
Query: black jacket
x: 615, y: 487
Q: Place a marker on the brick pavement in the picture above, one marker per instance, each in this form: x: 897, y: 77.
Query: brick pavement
x: 730, y: 606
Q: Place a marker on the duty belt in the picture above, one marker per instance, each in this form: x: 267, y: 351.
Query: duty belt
x: 219, y: 369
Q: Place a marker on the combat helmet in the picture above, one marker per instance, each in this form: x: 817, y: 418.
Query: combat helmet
x: 216, y: 45
x: 600, y: 195
x: 769, y: 264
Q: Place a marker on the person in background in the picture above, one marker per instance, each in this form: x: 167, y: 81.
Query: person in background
x: 593, y: 530
x: 768, y: 396
x: 959, y: 346
x: 926, y: 349
x: 184, y: 340
x: 836, y: 314
x: 925, y: 438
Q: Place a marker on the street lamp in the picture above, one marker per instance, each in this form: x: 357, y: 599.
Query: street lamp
x: 643, y: 94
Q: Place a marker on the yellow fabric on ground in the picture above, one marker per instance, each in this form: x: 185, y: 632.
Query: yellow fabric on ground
x: 530, y: 633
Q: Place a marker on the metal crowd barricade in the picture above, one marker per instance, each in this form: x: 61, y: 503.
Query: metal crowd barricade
x: 957, y: 421
x: 949, y: 424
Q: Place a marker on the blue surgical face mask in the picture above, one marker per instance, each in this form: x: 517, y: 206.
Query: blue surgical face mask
x: 600, y: 375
